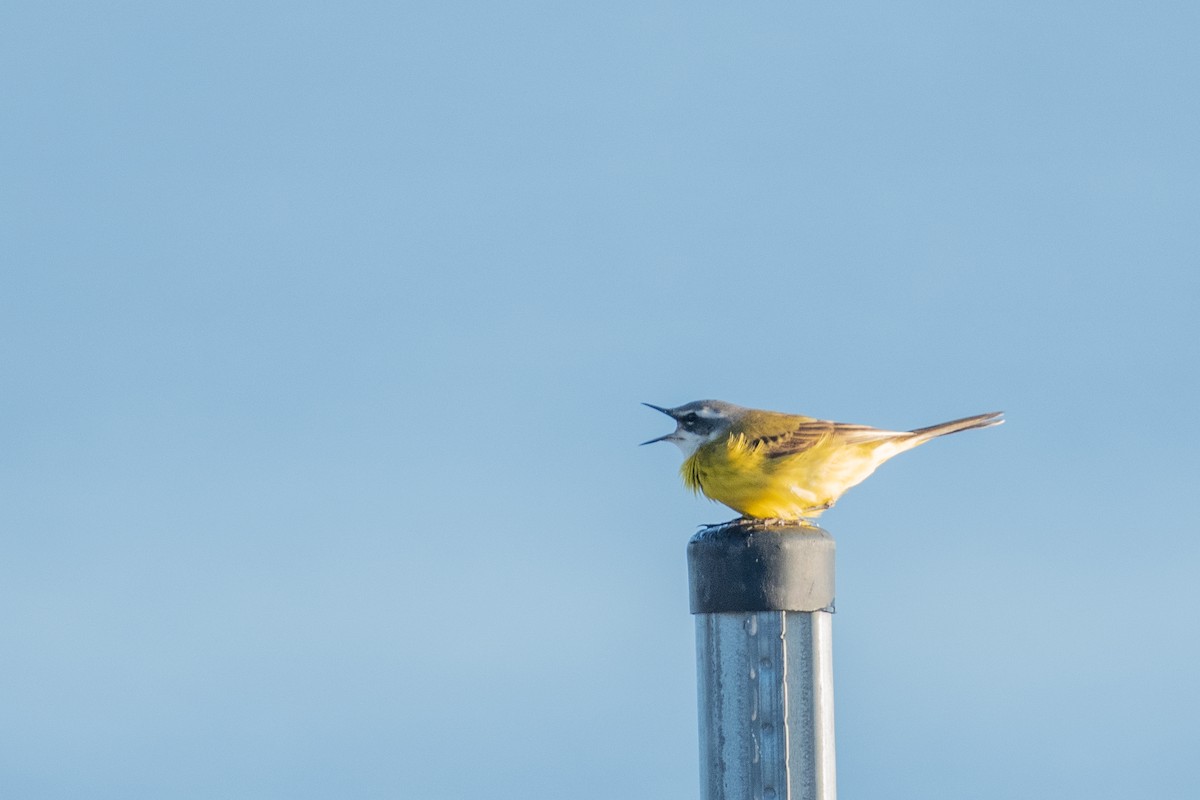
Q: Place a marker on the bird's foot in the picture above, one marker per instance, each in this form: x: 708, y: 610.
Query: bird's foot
x: 766, y: 522
x: 778, y: 522
x: 737, y: 522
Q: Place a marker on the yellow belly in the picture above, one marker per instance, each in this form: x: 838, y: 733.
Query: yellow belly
x: 801, y: 485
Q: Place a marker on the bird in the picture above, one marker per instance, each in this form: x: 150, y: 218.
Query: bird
x: 770, y: 466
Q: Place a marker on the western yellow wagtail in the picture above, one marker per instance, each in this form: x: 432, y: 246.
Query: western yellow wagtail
x: 768, y: 465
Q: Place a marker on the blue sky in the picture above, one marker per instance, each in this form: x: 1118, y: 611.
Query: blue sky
x: 323, y: 329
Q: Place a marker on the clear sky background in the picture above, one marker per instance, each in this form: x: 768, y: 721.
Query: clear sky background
x: 323, y: 329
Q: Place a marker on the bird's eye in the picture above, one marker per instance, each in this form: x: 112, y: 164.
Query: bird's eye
x: 690, y: 418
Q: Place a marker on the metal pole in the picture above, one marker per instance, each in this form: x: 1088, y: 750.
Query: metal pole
x: 763, y: 600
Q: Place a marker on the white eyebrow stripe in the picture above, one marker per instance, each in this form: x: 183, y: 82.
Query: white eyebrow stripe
x: 708, y: 413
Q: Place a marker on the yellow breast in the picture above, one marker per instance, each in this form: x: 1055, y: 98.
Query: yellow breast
x: 804, y: 484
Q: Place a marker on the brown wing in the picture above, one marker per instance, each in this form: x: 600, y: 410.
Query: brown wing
x: 808, y: 434
x: 804, y: 436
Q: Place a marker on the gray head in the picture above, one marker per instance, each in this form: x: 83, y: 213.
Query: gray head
x: 698, y: 423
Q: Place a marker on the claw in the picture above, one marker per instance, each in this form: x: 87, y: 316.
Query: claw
x: 761, y: 522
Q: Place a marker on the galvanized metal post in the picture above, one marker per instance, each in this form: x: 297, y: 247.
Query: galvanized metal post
x: 763, y: 600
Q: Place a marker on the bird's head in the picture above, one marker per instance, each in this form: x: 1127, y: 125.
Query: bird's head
x: 698, y: 423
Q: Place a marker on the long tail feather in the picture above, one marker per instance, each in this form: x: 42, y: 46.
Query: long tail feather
x: 954, y: 426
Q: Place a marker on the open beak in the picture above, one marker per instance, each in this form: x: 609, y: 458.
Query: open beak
x: 670, y: 436
x: 659, y: 408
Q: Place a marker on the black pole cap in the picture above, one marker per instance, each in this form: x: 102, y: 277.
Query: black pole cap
x: 754, y: 566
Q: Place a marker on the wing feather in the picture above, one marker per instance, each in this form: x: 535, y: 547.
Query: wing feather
x: 812, y: 432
